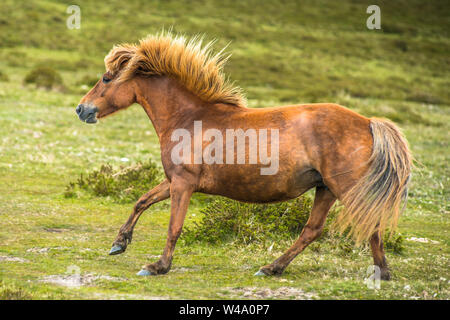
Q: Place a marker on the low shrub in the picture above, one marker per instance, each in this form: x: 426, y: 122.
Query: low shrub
x: 44, y: 77
x: 88, y: 80
x: 425, y: 97
x: 12, y: 292
x: 3, y: 77
x: 394, y: 243
x: 227, y: 220
x: 125, y: 184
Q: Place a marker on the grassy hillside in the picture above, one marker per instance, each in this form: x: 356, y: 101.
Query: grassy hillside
x: 286, y: 51
x: 283, y: 52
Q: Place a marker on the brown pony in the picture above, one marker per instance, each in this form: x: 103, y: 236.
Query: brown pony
x: 365, y: 163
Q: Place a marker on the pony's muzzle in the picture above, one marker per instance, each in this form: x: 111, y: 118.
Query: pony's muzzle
x: 86, y: 113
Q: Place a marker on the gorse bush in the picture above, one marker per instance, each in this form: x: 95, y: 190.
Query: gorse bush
x: 125, y: 184
x: 44, y: 77
x: 394, y: 243
x: 12, y: 292
x: 227, y: 220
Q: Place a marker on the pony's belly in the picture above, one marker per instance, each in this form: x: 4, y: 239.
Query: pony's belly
x: 253, y: 187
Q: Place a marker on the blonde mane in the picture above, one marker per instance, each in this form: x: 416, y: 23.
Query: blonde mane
x: 189, y: 61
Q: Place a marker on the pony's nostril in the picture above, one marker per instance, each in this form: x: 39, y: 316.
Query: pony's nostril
x: 86, y: 113
x: 79, y: 109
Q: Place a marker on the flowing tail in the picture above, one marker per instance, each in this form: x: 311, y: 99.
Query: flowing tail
x: 378, y: 198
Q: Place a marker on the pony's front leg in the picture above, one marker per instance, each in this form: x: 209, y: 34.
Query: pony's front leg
x: 180, y: 193
x: 157, y: 194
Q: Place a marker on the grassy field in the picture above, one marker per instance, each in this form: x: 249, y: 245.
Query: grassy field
x: 287, y: 52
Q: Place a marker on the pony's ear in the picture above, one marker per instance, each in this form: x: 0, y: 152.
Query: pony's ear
x: 118, y: 57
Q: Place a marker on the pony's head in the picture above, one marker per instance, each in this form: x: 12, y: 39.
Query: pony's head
x: 111, y: 93
x: 194, y: 65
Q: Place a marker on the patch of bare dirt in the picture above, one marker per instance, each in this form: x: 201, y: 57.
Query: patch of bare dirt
x: 127, y: 296
x: 422, y: 240
x: 183, y: 269
x: 151, y: 256
x: 38, y: 250
x: 74, y: 280
x: 12, y: 259
x: 57, y: 230
x: 46, y: 250
x: 266, y: 293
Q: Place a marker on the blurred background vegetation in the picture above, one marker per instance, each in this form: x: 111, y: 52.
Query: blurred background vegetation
x: 302, y: 51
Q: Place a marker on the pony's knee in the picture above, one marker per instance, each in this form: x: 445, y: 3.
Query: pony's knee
x: 140, y: 205
x: 311, y: 233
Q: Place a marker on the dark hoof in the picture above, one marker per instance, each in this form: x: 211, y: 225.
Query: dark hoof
x: 260, y: 274
x: 270, y: 270
x: 116, y: 249
x: 144, y: 273
x: 385, y: 275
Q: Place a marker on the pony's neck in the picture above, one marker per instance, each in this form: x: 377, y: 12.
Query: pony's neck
x: 167, y: 103
x: 170, y: 105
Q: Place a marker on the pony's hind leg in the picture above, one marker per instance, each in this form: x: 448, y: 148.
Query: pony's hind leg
x: 379, y: 259
x: 158, y: 193
x: 323, y: 201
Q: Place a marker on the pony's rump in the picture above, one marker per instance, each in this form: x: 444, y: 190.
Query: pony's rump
x: 375, y: 202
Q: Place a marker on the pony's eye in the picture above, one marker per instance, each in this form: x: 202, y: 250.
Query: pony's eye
x: 105, y: 80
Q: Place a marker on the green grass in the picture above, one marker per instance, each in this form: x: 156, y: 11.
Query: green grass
x: 282, y: 53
